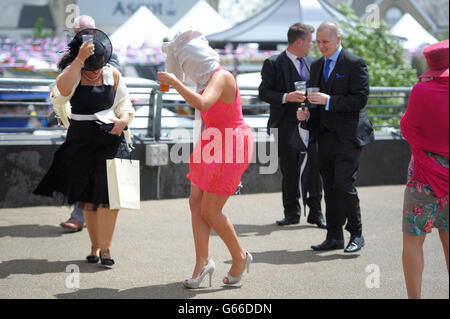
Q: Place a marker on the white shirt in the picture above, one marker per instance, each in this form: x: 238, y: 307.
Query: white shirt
x: 294, y: 60
x: 296, y: 63
x: 333, y: 59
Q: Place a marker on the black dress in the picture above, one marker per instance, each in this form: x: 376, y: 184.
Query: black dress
x: 78, y: 170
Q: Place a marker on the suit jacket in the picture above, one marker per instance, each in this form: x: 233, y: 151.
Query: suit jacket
x: 275, y: 76
x: 348, y: 86
x: 114, y: 61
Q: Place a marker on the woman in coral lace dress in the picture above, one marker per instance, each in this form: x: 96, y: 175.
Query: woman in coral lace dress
x: 222, y: 154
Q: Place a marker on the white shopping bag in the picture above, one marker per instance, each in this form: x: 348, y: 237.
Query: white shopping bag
x: 123, y: 183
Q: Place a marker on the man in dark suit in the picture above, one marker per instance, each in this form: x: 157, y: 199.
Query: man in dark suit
x: 277, y: 88
x: 343, y: 129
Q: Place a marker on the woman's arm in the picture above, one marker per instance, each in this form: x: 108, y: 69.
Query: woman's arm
x: 68, y: 79
x: 217, y: 89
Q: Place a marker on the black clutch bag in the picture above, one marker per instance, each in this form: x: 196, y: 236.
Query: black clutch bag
x: 106, y: 127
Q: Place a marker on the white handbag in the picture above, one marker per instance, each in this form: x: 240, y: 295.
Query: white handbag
x: 123, y: 183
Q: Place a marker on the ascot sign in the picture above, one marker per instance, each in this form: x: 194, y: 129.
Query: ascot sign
x: 118, y: 11
x: 158, y: 8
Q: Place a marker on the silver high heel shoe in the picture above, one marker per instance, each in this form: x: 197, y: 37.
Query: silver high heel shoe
x: 234, y: 280
x: 194, y: 283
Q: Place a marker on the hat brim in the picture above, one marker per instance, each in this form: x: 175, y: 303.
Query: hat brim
x: 103, y: 49
x: 435, y: 74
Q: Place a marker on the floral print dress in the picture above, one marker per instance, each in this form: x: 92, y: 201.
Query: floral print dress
x: 422, y: 210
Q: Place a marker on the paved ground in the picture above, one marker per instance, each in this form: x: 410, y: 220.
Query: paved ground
x: 153, y: 249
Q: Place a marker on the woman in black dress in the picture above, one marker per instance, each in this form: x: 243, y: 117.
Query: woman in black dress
x: 88, y: 85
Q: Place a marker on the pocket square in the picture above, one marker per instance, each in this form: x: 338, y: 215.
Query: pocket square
x: 340, y: 76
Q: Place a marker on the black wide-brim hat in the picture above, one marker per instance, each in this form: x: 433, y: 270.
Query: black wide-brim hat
x: 102, y: 49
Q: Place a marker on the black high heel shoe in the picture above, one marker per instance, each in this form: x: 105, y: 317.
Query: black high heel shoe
x: 93, y: 259
x: 108, y: 261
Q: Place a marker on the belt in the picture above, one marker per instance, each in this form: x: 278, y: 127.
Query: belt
x: 83, y: 117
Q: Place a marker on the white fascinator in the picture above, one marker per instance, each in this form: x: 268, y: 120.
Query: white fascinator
x: 190, y: 58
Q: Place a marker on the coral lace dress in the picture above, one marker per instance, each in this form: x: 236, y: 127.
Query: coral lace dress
x: 224, y: 151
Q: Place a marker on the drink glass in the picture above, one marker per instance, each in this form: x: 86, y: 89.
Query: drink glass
x: 164, y: 87
x: 300, y: 86
x: 86, y: 37
x: 312, y: 90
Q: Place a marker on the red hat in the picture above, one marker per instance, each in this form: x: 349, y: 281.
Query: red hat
x: 437, y: 56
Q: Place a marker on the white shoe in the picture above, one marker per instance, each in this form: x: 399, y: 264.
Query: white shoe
x: 194, y: 283
x: 234, y: 280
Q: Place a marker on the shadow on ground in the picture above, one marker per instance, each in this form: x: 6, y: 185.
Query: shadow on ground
x: 264, y: 230
x: 33, y: 231
x: 173, y: 290
x: 43, y: 266
x: 285, y: 257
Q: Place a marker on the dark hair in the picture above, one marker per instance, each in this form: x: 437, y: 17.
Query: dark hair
x: 297, y: 31
x: 65, y: 61
x: 73, y: 48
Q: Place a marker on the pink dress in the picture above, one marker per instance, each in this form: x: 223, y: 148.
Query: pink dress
x: 224, y: 151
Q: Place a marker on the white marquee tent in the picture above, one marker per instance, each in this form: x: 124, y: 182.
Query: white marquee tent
x: 142, y: 27
x: 407, y: 27
x: 202, y: 17
x: 271, y: 24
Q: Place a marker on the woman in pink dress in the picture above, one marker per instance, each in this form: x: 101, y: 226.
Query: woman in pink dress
x: 425, y: 125
x: 221, y: 155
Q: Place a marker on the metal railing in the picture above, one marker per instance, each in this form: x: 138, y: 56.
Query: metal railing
x: 155, y: 124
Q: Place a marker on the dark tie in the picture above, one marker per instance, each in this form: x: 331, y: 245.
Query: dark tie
x: 326, y: 70
x: 302, y: 69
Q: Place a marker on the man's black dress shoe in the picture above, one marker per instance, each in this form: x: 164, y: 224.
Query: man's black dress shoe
x: 319, y: 221
x: 285, y: 222
x: 355, y: 244
x: 329, y: 244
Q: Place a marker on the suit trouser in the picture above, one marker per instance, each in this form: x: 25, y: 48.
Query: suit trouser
x: 77, y: 213
x: 312, y: 181
x: 289, y: 161
x: 339, y: 163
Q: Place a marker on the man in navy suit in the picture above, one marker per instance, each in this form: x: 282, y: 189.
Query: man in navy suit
x: 277, y: 88
x: 343, y: 129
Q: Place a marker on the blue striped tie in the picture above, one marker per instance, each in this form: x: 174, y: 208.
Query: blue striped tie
x: 326, y: 70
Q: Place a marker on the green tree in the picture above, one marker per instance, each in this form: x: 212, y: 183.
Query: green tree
x: 385, y: 59
x: 38, y: 32
x: 443, y: 36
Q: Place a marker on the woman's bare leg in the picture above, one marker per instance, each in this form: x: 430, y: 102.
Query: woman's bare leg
x: 413, y: 264
x: 211, y: 210
x: 200, y: 229
x: 444, y: 240
x: 106, y: 225
x: 90, y: 217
